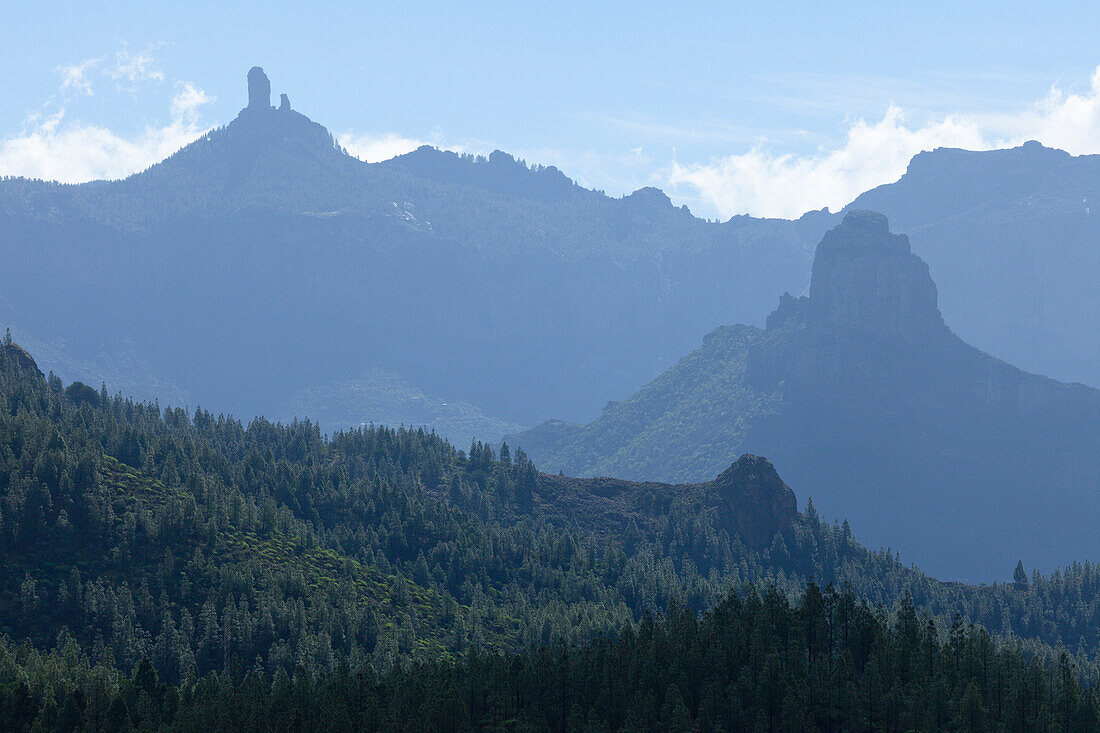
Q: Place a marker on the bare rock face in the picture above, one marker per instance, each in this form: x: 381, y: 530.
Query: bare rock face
x: 20, y: 357
x: 284, y: 103
x: 259, y: 89
x: 868, y: 283
x: 753, y: 500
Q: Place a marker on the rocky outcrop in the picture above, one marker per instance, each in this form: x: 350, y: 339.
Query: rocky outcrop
x: 19, y: 356
x: 867, y: 282
x: 868, y: 403
x: 753, y: 501
x: 748, y: 500
x: 259, y: 89
x: 262, y: 140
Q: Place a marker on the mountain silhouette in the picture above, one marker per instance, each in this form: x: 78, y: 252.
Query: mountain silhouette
x: 1010, y: 236
x: 262, y: 260
x: 866, y: 401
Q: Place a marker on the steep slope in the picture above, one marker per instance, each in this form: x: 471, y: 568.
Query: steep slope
x: 867, y: 402
x: 294, y: 265
x: 1010, y: 237
x: 175, y: 545
x: 198, y: 543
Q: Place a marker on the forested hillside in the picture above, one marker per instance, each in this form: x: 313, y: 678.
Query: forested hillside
x: 824, y: 662
x: 184, y: 545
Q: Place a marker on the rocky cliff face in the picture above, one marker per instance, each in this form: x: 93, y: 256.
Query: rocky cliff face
x: 1010, y: 236
x: 753, y: 501
x: 871, y: 330
x: 865, y: 401
x: 867, y: 283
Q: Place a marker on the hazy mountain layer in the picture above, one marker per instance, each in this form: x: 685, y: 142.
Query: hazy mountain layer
x: 867, y: 402
x: 262, y: 260
x: 1011, y: 239
x: 381, y: 397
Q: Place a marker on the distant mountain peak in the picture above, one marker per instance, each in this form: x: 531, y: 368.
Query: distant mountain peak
x: 279, y: 127
x: 499, y: 171
x: 651, y: 196
x: 1001, y: 170
x: 867, y: 281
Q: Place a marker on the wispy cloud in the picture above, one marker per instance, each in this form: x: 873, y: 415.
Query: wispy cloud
x: 764, y: 182
x: 188, y: 101
x: 55, y: 144
x: 76, y: 78
x: 131, y: 70
x: 663, y: 131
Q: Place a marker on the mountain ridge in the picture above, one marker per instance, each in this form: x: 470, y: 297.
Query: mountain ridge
x: 468, y: 285
x: 865, y: 400
x: 479, y: 280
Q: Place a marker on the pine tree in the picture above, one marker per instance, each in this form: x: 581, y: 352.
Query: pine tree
x: 1019, y: 577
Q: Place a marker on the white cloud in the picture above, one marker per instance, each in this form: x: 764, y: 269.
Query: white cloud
x: 1063, y: 120
x: 376, y: 148
x: 54, y: 149
x: 765, y: 183
x: 76, y: 78
x: 188, y: 100
x: 131, y: 70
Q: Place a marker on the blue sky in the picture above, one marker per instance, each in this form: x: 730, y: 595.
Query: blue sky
x: 730, y: 107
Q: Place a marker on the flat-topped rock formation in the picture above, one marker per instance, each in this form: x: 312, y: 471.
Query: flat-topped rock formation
x: 867, y: 402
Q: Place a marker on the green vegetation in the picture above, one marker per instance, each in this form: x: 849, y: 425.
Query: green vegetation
x: 157, y: 566
x: 685, y: 423
x: 828, y: 662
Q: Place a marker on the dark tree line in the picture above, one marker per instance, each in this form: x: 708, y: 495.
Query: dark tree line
x: 754, y: 663
x: 202, y: 553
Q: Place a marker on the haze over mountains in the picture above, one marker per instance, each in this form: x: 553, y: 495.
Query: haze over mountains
x: 1011, y: 239
x: 164, y: 567
x: 262, y: 264
x: 869, y: 403
x: 262, y: 260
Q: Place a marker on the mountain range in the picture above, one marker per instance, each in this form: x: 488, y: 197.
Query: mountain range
x: 262, y: 264
x: 868, y: 402
x: 261, y: 260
